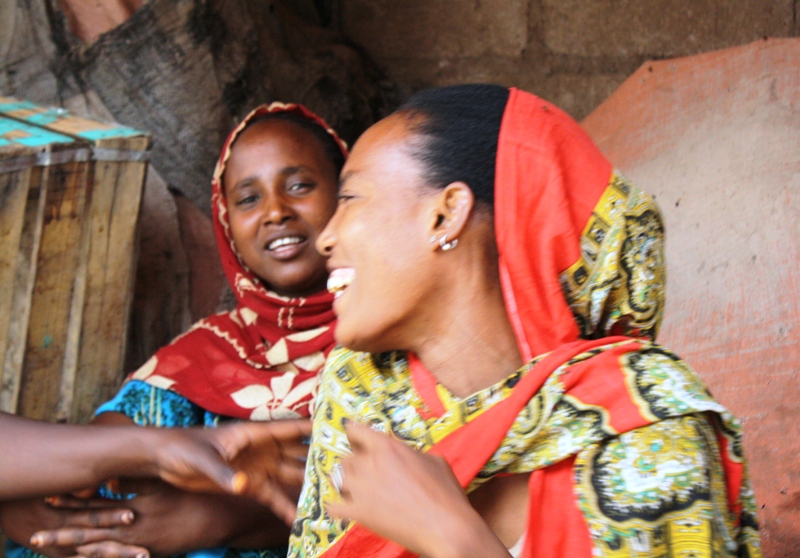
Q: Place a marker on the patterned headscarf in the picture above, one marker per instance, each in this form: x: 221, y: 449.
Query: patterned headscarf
x: 581, y: 249
x: 259, y: 361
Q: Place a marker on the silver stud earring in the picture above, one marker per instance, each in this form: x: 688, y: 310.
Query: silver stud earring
x: 445, y: 246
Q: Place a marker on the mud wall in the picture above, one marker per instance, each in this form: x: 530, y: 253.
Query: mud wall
x: 572, y: 52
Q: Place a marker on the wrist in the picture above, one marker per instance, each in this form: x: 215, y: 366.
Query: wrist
x: 466, y: 535
x: 140, y: 453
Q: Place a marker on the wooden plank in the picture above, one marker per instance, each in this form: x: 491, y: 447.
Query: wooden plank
x: 113, y: 217
x: 58, y: 261
x: 13, y: 199
x: 24, y: 279
x: 59, y: 120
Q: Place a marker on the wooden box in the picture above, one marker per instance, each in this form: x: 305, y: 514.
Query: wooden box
x: 70, y: 193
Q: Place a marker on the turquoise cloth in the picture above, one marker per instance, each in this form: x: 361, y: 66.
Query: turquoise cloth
x: 147, y: 405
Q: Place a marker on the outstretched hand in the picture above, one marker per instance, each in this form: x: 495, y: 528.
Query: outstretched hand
x: 263, y: 460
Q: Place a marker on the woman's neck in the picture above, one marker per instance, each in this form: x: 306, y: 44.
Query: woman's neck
x: 476, y: 347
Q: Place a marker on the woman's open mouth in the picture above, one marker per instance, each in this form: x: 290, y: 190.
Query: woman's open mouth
x: 286, y: 247
x: 340, y: 279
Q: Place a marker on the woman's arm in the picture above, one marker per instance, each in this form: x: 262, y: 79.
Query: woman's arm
x: 170, y: 521
x: 38, y: 458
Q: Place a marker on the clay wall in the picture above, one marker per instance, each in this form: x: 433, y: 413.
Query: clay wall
x: 574, y: 53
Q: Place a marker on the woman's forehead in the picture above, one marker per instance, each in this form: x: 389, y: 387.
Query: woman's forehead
x: 384, y: 143
x: 285, y: 130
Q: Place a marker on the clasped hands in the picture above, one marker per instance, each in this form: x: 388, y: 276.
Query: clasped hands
x: 264, y: 461
x: 430, y: 513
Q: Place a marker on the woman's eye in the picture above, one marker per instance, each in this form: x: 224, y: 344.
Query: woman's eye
x: 246, y: 200
x: 343, y: 198
x: 300, y: 187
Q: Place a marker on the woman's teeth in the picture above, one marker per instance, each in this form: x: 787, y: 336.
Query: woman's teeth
x: 339, y: 280
x: 285, y: 241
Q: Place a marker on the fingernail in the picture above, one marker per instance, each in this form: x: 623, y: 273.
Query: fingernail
x: 127, y: 517
x: 239, y: 482
x: 51, y: 500
x: 142, y: 555
x: 36, y: 540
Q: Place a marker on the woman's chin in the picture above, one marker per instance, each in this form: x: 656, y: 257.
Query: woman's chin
x: 345, y: 337
x: 353, y: 338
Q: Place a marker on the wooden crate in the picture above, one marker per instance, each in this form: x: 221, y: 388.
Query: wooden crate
x: 70, y: 193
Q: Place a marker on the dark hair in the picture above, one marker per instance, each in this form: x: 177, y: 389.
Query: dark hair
x: 329, y: 144
x: 459, y: 127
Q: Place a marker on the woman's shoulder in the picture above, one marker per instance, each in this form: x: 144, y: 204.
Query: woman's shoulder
x: 151, y: 405
x: 360, y: 363
x: 362, y: 373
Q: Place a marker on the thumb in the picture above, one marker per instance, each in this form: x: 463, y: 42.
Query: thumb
x: 205, y: 472
x: 222, y: 474
x: 339, y: 509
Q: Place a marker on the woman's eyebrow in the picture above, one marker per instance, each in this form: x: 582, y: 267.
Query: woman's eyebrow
x: 286, y: 171
x: 345, y: 177
x: 244, y: 182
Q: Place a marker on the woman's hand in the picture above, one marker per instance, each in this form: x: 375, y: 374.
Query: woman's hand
x: 22, y: 518
x: 168, y: 521
x: 262, y: 460
x: 409, y: 497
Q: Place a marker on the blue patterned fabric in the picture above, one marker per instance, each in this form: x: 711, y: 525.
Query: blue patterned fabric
x: 148, y: 405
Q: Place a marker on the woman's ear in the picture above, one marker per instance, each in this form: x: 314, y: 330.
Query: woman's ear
x: 453, y: 207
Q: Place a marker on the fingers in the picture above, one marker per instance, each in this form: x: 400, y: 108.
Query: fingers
x: 111, y: 549
x: 90, y: 520
x: 206, y: 465
x: 276, y: 499
x: 85, y: 493
x: 285, y: 431
x: 233, y: 439
x: 296, y: 451
x: 68, y: 502
x: 68, y: 537
x: 222, y: 474
x: 339, y: 509
x: 292, y: 472
x: 136, y: 486
x: 361, y: 436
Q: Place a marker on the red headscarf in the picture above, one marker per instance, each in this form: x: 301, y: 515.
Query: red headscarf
x: 259, y: 361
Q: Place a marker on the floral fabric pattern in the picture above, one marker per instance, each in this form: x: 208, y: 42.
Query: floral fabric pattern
x: 656, y: 490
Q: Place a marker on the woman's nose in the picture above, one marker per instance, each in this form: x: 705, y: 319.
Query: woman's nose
x: 277, y: 210
x: 327, y: 238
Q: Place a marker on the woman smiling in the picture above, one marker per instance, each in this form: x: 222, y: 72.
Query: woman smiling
x: 274, y: 190
x: 499, y: 287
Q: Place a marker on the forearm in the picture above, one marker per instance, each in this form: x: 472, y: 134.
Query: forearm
x: 464, y: 535
x: 38, y: 458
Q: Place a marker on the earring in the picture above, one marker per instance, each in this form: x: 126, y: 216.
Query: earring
x: 445, y: 246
